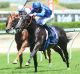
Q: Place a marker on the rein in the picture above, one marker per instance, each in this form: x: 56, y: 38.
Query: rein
x: 30, y: 21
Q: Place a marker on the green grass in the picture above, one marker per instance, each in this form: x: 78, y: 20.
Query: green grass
x: 71, y: 6
x: 57, y: 67
x: 2, y: 26
x: 8, y: 9
x: 60, y: 24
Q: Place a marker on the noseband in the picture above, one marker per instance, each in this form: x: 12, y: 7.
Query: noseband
x: 20, y: 22
x: 29, y: 21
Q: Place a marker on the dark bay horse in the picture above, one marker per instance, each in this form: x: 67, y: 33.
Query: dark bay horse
x: 37, y: 37
x: 21, y: 37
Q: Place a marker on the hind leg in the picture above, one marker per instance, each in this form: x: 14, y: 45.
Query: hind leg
x: 45, y: 55
x: 65, y: 52
x: 58, y: 49
x: 49, y: 54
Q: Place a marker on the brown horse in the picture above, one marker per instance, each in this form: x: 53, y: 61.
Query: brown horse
x: 21, y: 37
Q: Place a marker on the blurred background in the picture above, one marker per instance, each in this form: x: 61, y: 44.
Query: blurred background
x: 66, y: 15
x: 64, y: 11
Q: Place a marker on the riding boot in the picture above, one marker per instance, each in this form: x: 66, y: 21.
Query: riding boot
x: 51, y: 34
x: 48, y: 29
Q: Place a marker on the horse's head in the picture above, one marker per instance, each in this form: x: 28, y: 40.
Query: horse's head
x: 11, y: 22
x: 25, y: 21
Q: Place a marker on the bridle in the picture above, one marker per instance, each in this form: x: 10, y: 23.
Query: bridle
x: 30, y: 21
x: 20, y: 28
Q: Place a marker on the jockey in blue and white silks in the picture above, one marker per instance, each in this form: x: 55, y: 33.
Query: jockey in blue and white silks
x: 42, y: 11
x: 45, y: 14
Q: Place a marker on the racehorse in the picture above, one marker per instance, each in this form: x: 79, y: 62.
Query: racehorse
x: 21, y: 37
x: 37, y: 38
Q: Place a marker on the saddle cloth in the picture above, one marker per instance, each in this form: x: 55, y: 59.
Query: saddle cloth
x: 52, y: 37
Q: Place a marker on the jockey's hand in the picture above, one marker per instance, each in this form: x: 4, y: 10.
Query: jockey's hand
x: 31, y: 14
x: 34, y: 14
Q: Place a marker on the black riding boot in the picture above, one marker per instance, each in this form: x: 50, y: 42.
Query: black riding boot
x: 48, y: 29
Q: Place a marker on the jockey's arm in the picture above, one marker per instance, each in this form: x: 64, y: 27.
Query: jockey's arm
x: 32, y: 11
x: 41, y: 14
x: 38, y: 14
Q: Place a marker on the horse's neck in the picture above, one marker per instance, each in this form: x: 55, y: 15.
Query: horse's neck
x: 33, y: 24
x: 32, y: 28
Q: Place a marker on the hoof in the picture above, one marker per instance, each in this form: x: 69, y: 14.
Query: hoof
x: 27, y: 64
x: 50, y: 65
x: 68, y: 68
x: 15, y: 62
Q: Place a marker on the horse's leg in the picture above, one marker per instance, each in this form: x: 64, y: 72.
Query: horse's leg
x: 35, y: 62
x: 64, y: 48
x: 59, y: 50
x: 20, y: 57
x: 24, y: 45
x: 33, y: 50
x: 49, y: 54
x: 45, y: 55
x: 63, y: 45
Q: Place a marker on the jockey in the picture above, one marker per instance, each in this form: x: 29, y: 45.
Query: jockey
x: 45, y: 14
x: 23, y: 10
x: 42, y: 11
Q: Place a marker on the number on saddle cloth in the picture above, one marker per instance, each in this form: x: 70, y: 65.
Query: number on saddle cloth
x: 52, y: 36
